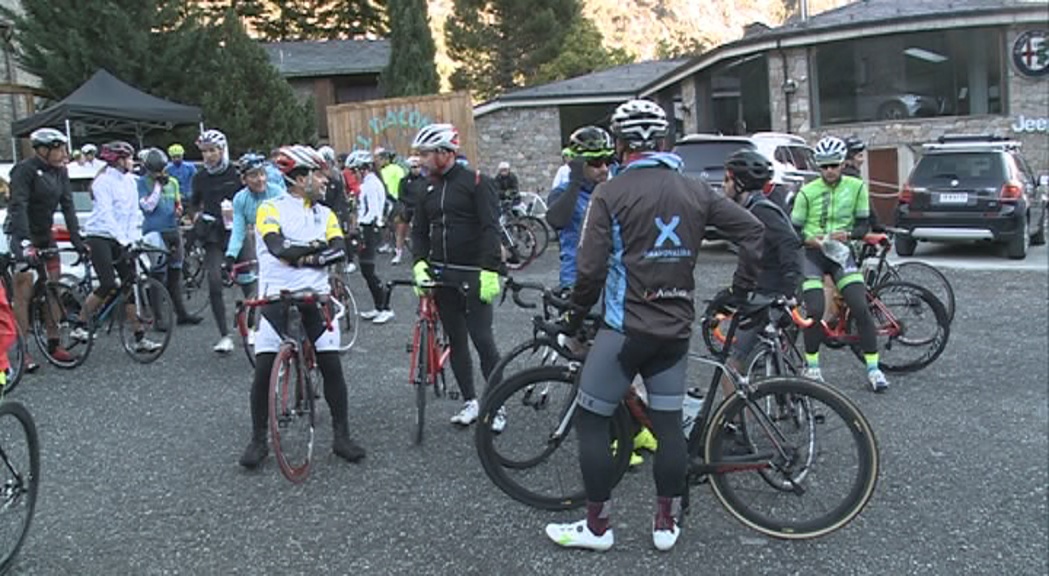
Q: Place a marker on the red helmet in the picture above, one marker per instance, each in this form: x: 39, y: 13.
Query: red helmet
x: 291, y: 158
x: 115, y: 150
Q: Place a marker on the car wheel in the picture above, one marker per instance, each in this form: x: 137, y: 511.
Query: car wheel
x: 1017, y: 246
x: 892, y: 111
x: 1039, y: 235
x: 905, y: 245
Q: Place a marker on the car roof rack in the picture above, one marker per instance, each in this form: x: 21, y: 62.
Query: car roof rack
x: 972, y: 142
x: 948, y: 138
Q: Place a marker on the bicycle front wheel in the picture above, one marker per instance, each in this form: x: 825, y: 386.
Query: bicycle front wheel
x: 20, y: 477
x: 53, y: 313
x: 349, y: 322
x: 240, y: 320
x: 147, y: 333
x: 194, y: 283
x: 535, y: 459
x: 422, y: 367
x: 291, y: 414
x: 797, y: 473
x: 911, y: 324
x: 930, y: 278
x: 16, y: 361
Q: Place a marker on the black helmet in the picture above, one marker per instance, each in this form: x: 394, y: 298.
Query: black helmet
x: 749, y: 169
x: 591, y: 142
x: 854, y: 146
x: 155, y: 161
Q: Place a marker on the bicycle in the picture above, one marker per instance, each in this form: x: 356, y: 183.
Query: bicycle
x: 293, y: 388
x: 517, y: 212
x: 878, y: 270
x: 194, y: 284
x: 16, y: 351
x: 19, y: 481
x: 519, y: 244
x: 723, y: 444
x: 429, y: 350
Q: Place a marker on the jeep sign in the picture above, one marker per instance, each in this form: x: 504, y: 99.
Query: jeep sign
x: 1025, y: 124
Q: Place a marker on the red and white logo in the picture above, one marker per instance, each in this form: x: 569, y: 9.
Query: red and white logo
x: 1031, y: 53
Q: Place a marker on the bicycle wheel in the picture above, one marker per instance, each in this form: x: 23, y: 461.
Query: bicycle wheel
x: 154, y: 318
x: 911, y: 325
x: 528, y: 354
x: 536, y: 463
x: 20, y: 477
x: 194, y: 283
x: 348, y: 322
x: 930, y: 278
x: 240, y: 320
x: 57, y: 305
x: 540, y: 231
x: 420, y: 351
x: 291, y: 414
x: 521, y: 245
x: 16, y: 362
x: 534, y: 204
x: 838, y: 482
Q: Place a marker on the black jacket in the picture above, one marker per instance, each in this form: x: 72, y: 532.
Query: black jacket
x: 872, y: 221
x: 335, y: 198
x: 506, y: 185
x: 209, y: 190
x: 639, y: 244
x: 37, y: 188
x: 781, y: 254
x: 455, y: 222
x: 412, y: 188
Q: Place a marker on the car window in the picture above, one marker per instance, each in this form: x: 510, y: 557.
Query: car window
x: 783, y: 155
x: 708, y: 156
x: 82, y: 201
x: 1025, y: 168
x: 981, y: 169
x: 803, y: 158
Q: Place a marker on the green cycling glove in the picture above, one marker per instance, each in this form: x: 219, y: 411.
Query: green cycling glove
x: 421, y: 275
x: 489, y: 286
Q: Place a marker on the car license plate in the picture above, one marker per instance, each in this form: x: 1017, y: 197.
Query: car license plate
x: 955, y: 198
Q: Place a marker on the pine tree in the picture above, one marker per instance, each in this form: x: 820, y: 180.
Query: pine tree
x: 411, y: 71
x: 252, y: 104
x: 285, y: 20
x: 583, y: 52
x: 501, y: 44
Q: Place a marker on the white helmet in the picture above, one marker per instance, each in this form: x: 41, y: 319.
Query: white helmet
x: 641, y: 123
x: 47, y: 137
x: 437, y: 136
x: 830, y: 150
x: 88, y: 149
x: 359, y: 158
x: 291, y: 158
x: 328, y: 153
x: 212, y: 138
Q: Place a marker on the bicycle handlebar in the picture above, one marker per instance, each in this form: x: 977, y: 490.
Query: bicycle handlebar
x: 304, y: 296
x: 462, y: 287
x: 514, y: 288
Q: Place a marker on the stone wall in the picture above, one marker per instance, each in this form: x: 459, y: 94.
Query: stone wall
x: 12, y: 106
x: 528, y: 138
x: 797, y: 77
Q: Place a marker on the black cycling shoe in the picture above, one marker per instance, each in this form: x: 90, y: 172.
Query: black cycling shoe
x: 255, y: 453
x: 344, y: 447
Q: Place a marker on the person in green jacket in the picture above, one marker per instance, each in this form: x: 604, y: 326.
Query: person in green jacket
x: 391, y: 174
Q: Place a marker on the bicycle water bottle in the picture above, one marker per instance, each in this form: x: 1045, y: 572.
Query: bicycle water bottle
x: 690, y: 409
x: 227, y: 214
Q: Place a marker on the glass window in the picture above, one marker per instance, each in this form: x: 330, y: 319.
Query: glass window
x: 906, y: 76
x: 984, y: 169
x: 739, y: 97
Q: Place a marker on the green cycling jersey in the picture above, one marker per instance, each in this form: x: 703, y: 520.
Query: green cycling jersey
x: 820, y: 209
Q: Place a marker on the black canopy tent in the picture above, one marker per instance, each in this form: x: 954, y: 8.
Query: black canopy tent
x: 105, y: 105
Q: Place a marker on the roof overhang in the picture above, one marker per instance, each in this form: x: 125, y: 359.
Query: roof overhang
x: 581, y: 99
x: 802, y: 38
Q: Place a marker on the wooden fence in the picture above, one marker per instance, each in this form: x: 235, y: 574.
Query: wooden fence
x: 392, y: 123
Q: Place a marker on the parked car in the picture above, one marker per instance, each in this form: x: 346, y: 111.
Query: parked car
x: 704, y: 158
x: 792, y: 160
x: 973, y: 187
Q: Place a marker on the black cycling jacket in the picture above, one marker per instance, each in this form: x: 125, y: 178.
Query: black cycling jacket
x: 412, y: 188
x: 37, y: 188
x: 209, y: 190
x: 781, y: 255
x: 640, y: 240
x: 455, y: 222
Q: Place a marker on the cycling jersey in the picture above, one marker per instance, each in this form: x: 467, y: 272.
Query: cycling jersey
x: 275, y: 177
x: 245, y: 210
x: 781, y: 257
x: 455, y: 222
x: 300, y: 222
x: 392, y: 174
x: 569, y: 234
x: 640, y: 239
x: 820, y: 209
x: 412, y: 188
x: 159, y: 199
x: 115, y: 210
x: 183, y: 172
x: 37, y: 189
x: 371, y: 202
x: 209, y: 190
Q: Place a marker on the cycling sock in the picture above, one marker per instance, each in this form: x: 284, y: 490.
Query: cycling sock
x: 598, y: 516
x: 872, y: 361
x: 812, y: 360
x: 667, y: 510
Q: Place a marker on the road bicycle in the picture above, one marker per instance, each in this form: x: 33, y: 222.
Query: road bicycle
x: 294, y: 383
x: 428, y: 351
x: 19, y: 477
x: 16, y: 351
x: 877, y: 270
x: 194, y: 284
x: 767, y: 450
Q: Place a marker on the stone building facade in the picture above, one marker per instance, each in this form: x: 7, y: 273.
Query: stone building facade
x: 12, y: 105
x: 527, y: 138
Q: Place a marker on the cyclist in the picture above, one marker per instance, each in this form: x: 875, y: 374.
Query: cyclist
x: 506, y: 184
x: 369, y: 215
x: 218, y: 181
x: 567, y: 203
x: 181, y: 170
x: 413, y: 187
x: 40, y: 184
x: 335, y: 195
x: 454, y: 238
x: 834, y: 207
x: 297, y: 239
x: 855, y: 157
x: 747, y: 176
x: 392, y: 174
x: 565, y: 170
x: 160, y: 199
x: 110, y: 230
x: 90, y: 152
x: 640, y: 240
x: 241, y: 246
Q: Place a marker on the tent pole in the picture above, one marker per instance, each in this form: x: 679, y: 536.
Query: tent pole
x: 201, y: 126
x: 69, y: 138
x: 14, y: 149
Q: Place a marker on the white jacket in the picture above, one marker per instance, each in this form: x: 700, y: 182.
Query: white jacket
x: 372, y: 201
x: 115, y: 211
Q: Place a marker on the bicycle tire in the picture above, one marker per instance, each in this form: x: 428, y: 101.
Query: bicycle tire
x: 422, y: 351
x: 158, y: 322
x: 22, y: 486
x: 282, y: 389
x: 526, y: 253
x: 859, y: 493
x: 16, y: 362
x: 195, y: 293
x: 240, y: 320
x: 929, y: 277
x: 68, y: 311
x: 534, y: 346
x: 621, y: 431
x: 349, y: 324
x: 938, y: 340
x: 540, y: 231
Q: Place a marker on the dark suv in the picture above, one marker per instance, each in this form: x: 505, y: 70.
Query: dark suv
x: 704, y: 156
x: 973, y: 188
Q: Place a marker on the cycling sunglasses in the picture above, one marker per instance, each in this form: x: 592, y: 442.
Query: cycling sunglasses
x: 830, y: 166
x: 599, y: 162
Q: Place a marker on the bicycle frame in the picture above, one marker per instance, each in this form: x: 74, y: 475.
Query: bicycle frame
x: 436, y: 355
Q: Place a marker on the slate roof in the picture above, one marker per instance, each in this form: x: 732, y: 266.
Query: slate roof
x: 329, y: 57
x: 623, y: 80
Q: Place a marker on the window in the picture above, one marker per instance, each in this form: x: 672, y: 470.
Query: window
x: 737, y: 97
x: 906, y: 76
